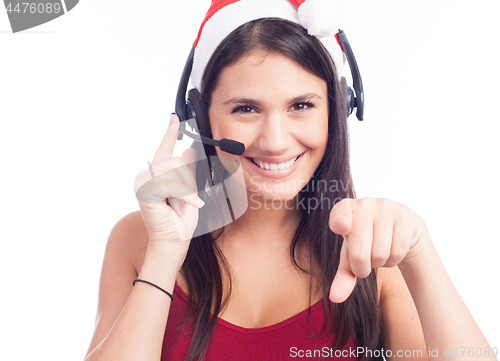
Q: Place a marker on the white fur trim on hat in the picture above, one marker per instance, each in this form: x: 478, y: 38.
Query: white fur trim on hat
x: 321, y: 17
x: 231, y: 16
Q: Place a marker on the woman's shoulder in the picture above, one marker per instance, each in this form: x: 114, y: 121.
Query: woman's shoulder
x: 133, y: 236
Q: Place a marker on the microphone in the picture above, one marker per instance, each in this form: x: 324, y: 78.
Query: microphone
x: 226, y: 145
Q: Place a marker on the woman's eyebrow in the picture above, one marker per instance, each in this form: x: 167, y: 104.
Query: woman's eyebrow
x: 241, y: 101
x: 304, y: 97
x: 249, y: 101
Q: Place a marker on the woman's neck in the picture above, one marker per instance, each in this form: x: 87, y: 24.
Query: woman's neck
x: 266, y: 220
x: 261, y: 233
x: 258, y: 243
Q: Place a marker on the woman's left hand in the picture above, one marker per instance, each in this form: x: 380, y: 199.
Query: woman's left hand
x: 377, y: 233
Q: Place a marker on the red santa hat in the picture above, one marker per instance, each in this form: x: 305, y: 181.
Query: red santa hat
x: 321, y: 18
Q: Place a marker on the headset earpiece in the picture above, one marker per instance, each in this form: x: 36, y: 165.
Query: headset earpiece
x: 195, y: 110
x: 190, y: 109
x: 355, y: 97
x: 190, y: 113
x: 347, y: 93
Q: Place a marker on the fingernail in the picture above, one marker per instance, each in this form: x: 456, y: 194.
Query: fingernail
x: 199, y: 202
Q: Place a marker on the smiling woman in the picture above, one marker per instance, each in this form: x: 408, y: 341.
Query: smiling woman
x: 307, y: 269
x: 273, y: 79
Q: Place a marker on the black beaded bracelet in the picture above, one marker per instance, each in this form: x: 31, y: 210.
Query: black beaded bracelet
x: 152, y: 284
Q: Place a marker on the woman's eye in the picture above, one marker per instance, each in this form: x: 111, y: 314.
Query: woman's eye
x: 243, y: 109
x: 302, y: 106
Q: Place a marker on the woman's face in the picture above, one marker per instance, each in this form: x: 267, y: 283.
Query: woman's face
x: 280, y: 112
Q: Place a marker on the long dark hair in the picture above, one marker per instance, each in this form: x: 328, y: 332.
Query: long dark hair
x: 357, y: 317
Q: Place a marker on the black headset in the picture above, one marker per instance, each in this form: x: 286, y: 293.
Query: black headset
x: 186, y: 108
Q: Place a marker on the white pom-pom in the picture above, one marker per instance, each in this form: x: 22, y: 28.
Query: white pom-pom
x: 321, y: 18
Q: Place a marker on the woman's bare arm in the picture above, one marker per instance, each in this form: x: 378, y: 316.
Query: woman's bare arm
x: 131, y: 321
x: 403, y: 334
x: 449, y: 329
x: 379, y: 233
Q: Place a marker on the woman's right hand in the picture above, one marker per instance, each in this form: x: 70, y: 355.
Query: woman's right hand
x: 174, y: 177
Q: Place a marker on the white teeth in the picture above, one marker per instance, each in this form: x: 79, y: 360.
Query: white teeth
x: 274, y: 166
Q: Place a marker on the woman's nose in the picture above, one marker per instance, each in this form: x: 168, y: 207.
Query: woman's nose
x: 274, y: 136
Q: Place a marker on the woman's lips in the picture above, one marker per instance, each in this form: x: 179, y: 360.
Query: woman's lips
x: 275, y: 174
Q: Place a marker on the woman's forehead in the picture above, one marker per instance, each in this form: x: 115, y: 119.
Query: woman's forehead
x: 260, y: 70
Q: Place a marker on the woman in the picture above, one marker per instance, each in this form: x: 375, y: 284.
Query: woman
x: 290, y: 278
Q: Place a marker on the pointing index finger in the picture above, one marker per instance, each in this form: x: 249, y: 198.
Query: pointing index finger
x: 166, y: 148
x: 341, y: 217
x: 344, y: 281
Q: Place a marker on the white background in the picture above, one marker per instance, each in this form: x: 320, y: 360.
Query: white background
x: 85, y: 100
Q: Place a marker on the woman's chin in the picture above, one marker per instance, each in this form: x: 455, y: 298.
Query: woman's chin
x: 273, y: 200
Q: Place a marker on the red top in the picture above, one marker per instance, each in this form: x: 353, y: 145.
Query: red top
x: 287, y: 340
